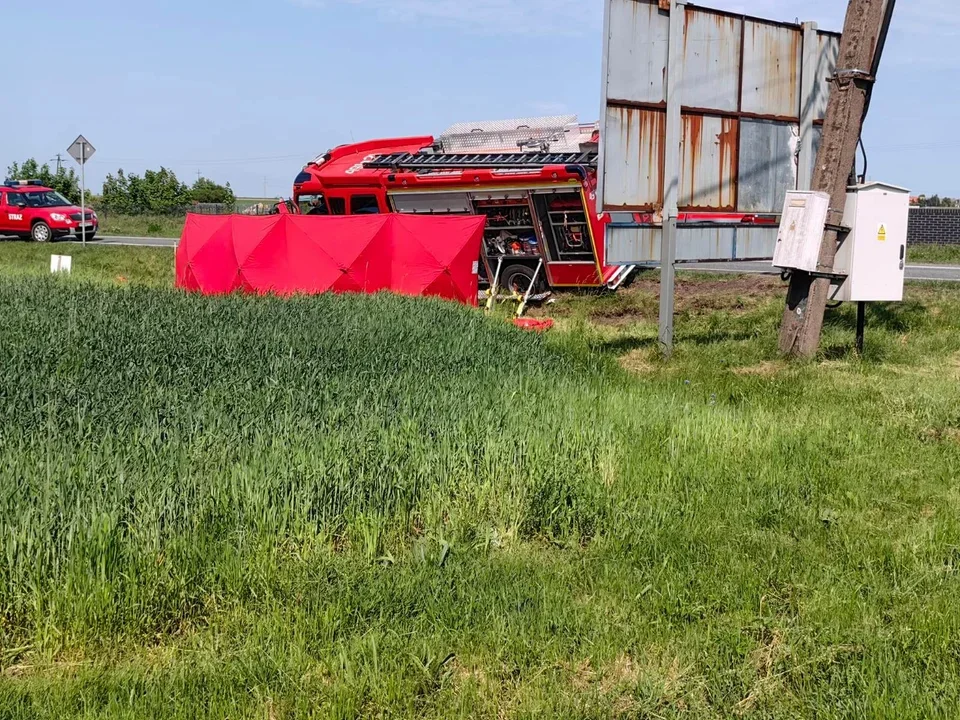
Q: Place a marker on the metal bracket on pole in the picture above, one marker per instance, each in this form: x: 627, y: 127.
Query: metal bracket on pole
x: 671, y: 179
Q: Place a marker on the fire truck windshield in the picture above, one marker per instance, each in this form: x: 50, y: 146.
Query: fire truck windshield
x: 313, y: 205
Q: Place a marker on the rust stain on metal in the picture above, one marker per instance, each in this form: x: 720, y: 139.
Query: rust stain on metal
x: 693, y: 138
x: 657, y: 143
x: 641, y: 134
x: 653, y: 129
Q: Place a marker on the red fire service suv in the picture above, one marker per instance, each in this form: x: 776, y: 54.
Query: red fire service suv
x: 31, y: 211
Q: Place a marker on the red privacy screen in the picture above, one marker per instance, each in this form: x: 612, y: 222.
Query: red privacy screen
x: 288, y: 254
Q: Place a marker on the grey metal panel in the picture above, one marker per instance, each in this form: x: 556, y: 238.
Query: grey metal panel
x: 633, y: 158
x: 828, y: 52
x: 426, y: 203
x: 805, y: 156
x: 637, y: 51
x: 817, y: 134
x: 630, y: 245
x: 634, y: 166
x: 708, y: 164
x: 768, y: 164
x: 711, y: 60
x: 634, y: 245
x: 771, y: 69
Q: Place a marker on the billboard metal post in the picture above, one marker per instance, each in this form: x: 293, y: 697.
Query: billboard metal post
x: 811, y: 57
x: 671, y: 181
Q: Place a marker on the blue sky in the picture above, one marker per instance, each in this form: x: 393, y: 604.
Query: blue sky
x: 247, y: 91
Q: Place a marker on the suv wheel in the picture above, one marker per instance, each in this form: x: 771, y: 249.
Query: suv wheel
x: 41, y: 232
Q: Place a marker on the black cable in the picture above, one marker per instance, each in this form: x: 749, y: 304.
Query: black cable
x: 835, y: 305
x: 863, y: 150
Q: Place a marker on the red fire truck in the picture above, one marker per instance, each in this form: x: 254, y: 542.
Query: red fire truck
x: 535, y: 181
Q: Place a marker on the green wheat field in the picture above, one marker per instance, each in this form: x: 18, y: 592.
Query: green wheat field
x: 382, y: 507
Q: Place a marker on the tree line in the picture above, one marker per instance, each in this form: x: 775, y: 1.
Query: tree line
x: 937, y: 202
x: 156, y: 192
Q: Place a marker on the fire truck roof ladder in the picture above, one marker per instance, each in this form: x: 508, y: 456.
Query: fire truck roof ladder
x: 427, y: 161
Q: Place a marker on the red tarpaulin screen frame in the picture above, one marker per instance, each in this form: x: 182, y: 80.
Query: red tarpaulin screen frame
x: 290, y: 254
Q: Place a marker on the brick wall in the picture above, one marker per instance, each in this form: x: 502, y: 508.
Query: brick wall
x: 934, y: 226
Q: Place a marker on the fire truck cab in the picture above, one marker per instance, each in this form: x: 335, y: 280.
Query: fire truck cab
x: 534, y: 179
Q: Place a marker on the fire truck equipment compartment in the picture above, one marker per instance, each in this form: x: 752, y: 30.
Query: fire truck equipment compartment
x: 290, y: 254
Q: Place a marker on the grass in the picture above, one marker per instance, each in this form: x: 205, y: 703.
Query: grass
x: 95, y: 263
x: 383, y: 507
x: 159, y: 226
x: 938, y: 254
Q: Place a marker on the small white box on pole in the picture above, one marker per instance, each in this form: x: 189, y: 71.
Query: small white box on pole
x: 801, y: 230
x: 61, y: 263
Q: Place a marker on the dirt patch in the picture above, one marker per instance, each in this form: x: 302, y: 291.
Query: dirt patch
x: 639, y: 302
x: 581, y: 674
x: 621, y: 672
x: 620, y: 315
x: 768, y: 368
x: 639, y: 361
x: 944, y: 434
x: 736, y: 293
x: 765, y: 659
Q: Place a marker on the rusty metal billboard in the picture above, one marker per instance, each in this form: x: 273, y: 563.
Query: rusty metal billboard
x: 752, y: 95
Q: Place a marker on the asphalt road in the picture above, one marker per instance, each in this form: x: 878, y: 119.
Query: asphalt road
x: 135, y: 241
x: 111, y: 240
x: 937, y: 273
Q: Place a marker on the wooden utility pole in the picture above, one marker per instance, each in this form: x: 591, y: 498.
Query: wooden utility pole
x: 860, y: 48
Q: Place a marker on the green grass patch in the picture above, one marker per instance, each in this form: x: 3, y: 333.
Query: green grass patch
x: 937, y: 254
x: 159, y: 226
x: 386, y: 507
x: 95, y: 263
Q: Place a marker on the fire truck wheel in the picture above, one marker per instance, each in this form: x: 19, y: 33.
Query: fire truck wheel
x: 41, y: 232
x: 517, y: 279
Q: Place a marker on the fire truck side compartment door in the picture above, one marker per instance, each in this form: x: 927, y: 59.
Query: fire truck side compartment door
x: 442, y: 203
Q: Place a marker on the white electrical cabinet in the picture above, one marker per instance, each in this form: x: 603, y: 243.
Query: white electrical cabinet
x: 873, y: 255
x: 801, y: 230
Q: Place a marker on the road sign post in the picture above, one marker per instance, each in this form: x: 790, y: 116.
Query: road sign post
x: 81, y: 151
